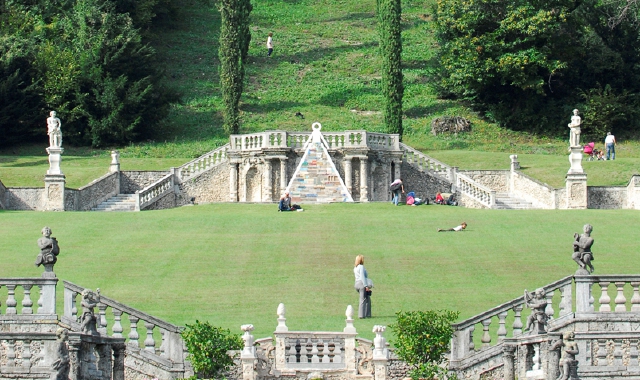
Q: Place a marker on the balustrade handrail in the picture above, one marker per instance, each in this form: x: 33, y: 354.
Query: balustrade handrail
x: 407, y: 148
x: 612, y: 278
x: 489, y: 193
x: 507, y: 305
x: 127, y: 309
x: 144, y: 192
x: 27, y: 281
x: 297, y: 140
x: 202, y: 158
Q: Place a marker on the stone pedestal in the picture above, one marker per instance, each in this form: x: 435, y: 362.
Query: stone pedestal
x: 54, y: 192
x: 115, y: 162
x: 576, y: 189
x: 575, y: 159
x: 55, y: 156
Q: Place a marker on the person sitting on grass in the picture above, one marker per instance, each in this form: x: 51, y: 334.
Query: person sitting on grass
x: 285, y: 203
x: 439, y: 198
x: 461, y: 227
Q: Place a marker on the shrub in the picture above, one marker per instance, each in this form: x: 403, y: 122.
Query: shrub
x: 208, y: 347
x: 422, y: 340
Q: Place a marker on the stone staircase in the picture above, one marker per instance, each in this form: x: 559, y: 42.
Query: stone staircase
x: 121, y: 202
x: 507, y: 202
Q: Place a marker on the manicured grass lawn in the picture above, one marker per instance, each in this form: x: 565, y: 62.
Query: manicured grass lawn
x: 233, y: 264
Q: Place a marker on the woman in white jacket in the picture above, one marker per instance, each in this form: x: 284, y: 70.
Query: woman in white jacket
x: 362, y: 286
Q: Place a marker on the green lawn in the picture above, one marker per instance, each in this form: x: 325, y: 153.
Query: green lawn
x: 233, y: 264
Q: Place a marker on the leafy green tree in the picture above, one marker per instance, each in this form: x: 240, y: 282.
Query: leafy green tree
x: 422, y: 341
x: 390, y: 37
x: 208, y: 347
x: 235, y: 37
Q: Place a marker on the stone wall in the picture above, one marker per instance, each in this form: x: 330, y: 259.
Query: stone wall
x: 24, y: 198
x: 497, y: 180
x: 166, y: 201
x: 425, y: 185
x: 3, y: 191
x: 210, y: 186
x: 607, y: 197
x: 98, y: 191
x: 633, y: 193
x: 468, y: 202
x: 132, y: 181
x: 539, y: 194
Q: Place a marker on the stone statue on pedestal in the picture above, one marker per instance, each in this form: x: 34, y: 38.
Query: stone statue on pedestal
x: 54, y: 130
x: 61, y: 356
x: 582, y: 250
x: 568, y: 365
x: 88, y: 319
x: 574, y: 136
x: 49, y: 249
x: 537, y: 320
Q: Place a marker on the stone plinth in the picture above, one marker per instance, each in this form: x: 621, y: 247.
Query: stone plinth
x: 55, y: 156
x: 54, y: 192
x: 576, y: 186
x: 575, y: 159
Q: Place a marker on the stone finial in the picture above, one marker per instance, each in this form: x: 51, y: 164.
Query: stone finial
x: 380, y: 343
x: 282, y: 326
x: 249, y: 350
x: 115, y: 162
x: 49, y: 251
x: 349, y: 313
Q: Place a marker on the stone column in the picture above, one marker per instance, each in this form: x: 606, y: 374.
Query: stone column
x: 380, y: 353
x: 348, y: 173
x: 283, y: 175
x: 248, y: 354
x: 54, y: 182
x: 233, y: 182
x: 576, y: 189
x: 508, y: 355
x: 267, y: 194
x: 74, y: 359
x: 118, y: 361
x: 364, y: 179
x: 583, y: 294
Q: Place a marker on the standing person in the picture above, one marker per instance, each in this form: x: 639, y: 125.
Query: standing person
x: 395, y: 187
x: 269, y: 44
x: 361, y: 285
x: 461, y: 227
x: 610, y: 144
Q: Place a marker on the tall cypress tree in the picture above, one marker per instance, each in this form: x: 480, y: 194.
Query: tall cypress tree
x: 234, y: 47
x: 389, y: 31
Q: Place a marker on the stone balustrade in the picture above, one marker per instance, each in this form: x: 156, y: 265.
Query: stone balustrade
x: 203, y: 163
x: 46, y: 303
x: 153, y: 192
x: 477, y: 192
x: 317, y: 350
x: 426, y: 163
x: 166, y: 347
x: 621, y: 303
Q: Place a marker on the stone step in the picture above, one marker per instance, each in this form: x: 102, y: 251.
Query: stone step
x: 507, y: 202
x: 120, y: 202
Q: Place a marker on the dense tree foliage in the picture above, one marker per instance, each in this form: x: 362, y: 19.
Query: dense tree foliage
x: 83, y: 59
x: 527, y: 63
x: 235, y: 37
x: 389, y: 31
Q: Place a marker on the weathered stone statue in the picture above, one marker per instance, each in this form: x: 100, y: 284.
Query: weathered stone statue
x: 568, y: 365
x: 537, y: 320
x: 582, y: 250
x: 574, y: 136
x: 88, y: 318
x: 61, y: 356
x: 54, y: 130
x: 49, y: 249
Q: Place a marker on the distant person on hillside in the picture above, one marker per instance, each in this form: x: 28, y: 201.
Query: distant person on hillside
x: 269, y: 44
x: 610, y: 144
x: 395, y: 188
x: 363, y: 286
x: 461, y: 227
x: 285, y: 203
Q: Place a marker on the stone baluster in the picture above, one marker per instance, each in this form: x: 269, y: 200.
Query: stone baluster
x: 248, y: 354
x: 633, y: 353
x: 26, y: 301
x: 102, y: 320
x: 293, y: 352
x: 635, y: 299
x: 591, y: 299
x: 502, y: 330
x: 326, y: 352
x: 549, y: 309
x: 602, y: 353
x: 604, y: 297
x: 314, y: 353
x: 486, y: 338
x: 517, y: 320
x: 26, y: 354
x: 617, y: 353
x: 11, y: 353
x: 149, y: 342
x: 11, y: 300
x: 566, y: 303
x: 472, y: 345
x: 39, y: 302
x: 621, y: 301
x: 304, y: 351
x: 337, y: 358
x: 133, y: 334
x: 117, y: 325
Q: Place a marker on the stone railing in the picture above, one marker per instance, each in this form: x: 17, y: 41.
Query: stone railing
x: 46, y: 303
x: 427, y: 164
x: 153, y: 192
x: 164, y: 351
x: 477, y: 192
x: 462, y: 343
x: 203, y: 163
x: 586, y: 298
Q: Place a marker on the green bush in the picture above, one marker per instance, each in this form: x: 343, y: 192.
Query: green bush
x: 422, y: 340
x: 208, y: 347
x: 606, y: 111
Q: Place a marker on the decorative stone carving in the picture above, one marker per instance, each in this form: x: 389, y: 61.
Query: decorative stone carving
x: 582, y: 250
x: 537, y: 320
x: 54, y: 130
x: 88, y: 318
x: 49, y: 251
x: 574, y: 126
x: 365, y: 359
x: 61, y: 362
x: 349, y: 328
x: 568, y: 365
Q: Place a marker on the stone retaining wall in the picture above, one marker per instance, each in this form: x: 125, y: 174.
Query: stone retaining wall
x: 132, y: 181
x: 24, y: 198
x: 423, y: 184
x: 210, y: 186
x: 166, y: 201
x: 607, y: 197
x: 497, y: 180
x: 3, y: 191
x: 540, y: 195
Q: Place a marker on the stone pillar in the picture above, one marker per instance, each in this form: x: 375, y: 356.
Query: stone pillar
x: 233, y: 182
x: 508, y: 355
x: 280, y: 340
x: 248, y: 354
x: 54, y: 185
x: 553, y: 356
x: 283, y: 175
x: 115, y: 162
x: 74, y: 360
x: 576, y: 189
x: 267, y: 189
x: 118, y: 360
x: 364, y: 179
x: 575, y: 159
x: 48, y: 297
x: 348, y: 173
x: 583, y: 294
